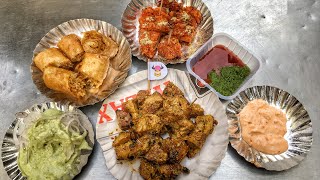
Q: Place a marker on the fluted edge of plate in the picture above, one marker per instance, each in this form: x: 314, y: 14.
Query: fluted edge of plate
x: 130, y: 28
x: 121, y: 62
x: 299, y: 134
x: 9, y: 152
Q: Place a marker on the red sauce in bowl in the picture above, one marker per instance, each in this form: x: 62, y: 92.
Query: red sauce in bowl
x: 218, y: 57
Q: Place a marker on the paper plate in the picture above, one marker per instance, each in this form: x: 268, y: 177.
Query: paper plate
x: 299, y: 128
x: 130, y: 28
x: 202, y: 165
x: 10, y: 151
x: 119, y: 65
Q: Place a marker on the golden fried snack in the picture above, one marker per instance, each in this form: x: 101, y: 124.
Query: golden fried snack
x: 172, y: 5
x: 71, y: 46
x: 184, y: 32
x: 142, y: 95
x: 95, y: 68
x: 195, y: 13
x: 52, y: 57
x: 148, y: 123
x: 147, y: 170
x: 169, y: 48
x: 122, y: 138
x: 156, y: 154
x: 181, y: 129
x: 196, y: 110
x: 148, y: 41
x: 152, y: 103
x: 176, y: 106
x: 204, y: 127
x: 172, y: 90
x: 154, y: 19
x: 125, y: 151
x: 131, y: 107
x: 177, y: 149
x: 65, y: 81
x: 143, y: 145
x: 97, y: 43
x: 171, y: 171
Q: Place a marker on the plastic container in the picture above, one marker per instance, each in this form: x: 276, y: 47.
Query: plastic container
x: 224, y: 39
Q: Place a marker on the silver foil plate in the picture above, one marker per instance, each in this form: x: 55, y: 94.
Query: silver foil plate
x: 130, y: 28
x: 120, y: 64
x: 299, y: 128
x: 9, y: 152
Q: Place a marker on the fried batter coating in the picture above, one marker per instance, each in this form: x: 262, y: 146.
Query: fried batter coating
x: 171, y: 171
x: 177, y: 106
x: 195, y: 13
x: 184, y: 32
x: 122, y: 138
x: 125, y: 151
x: 143, y: 145
x: 204, y: 127
x: 148, y: 41
x: 154, y: 19
x: 169, y: 48
x: 172, y: 90
x: 124, y: 119
x: 148, y: 123
x: 182, y: 128
x: 131, y: 107
x: 147, y: 170
x: 172, y: 5
x: 152, y: 103
x: 141, y: 96
x: 177, y: 149
x: 156, y: 154
x: 196, y: 110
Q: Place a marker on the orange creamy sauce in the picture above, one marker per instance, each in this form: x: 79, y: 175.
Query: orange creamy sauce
x: 263, y: 127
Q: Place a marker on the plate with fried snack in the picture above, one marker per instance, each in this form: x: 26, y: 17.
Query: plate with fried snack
x: 170, y: 131
x: 269, y: 127
x: 81, y: 61
x: 47, y: 141
x: 169, y: 31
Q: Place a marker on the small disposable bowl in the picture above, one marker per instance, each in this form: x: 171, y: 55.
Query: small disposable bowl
x: 234, y: 46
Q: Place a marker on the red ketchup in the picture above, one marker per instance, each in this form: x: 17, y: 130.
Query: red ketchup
x: 218, y: 57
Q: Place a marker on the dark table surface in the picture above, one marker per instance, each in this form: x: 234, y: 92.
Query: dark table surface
x: 284, y: 34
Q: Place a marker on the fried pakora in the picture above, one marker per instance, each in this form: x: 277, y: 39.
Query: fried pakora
x: 154, y: 115
x: 169, y: 16
x: 169, y: 48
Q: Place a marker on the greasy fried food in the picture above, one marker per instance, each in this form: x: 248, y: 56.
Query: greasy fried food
x: 125, y: 151
x: 95, y: 68
x: 148, y: 42
x: 97, y: 43
x: 65, y: 81
x: 143, y: 145
x: 124, y: 120
x: 184, y: 32
x: 157, y: 155
x: 168, y: 16
x: 52, y: 57
x: 153, y: 116
x: 204, y: 127
x: 148, y: 123
x: 169, y: 48
x: 78, y: 68
x: 177, y: 149
x: 71, y: 46
x: 172, y: 90
x: 196, y: 110
x: 122, y: 138
x: 171, y: 171
x: 154, y: 19
x: 182, y: 128
x: 147, y: 170
x: 141, y: 96
x: 152, y: 103
x: 131, y: 107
